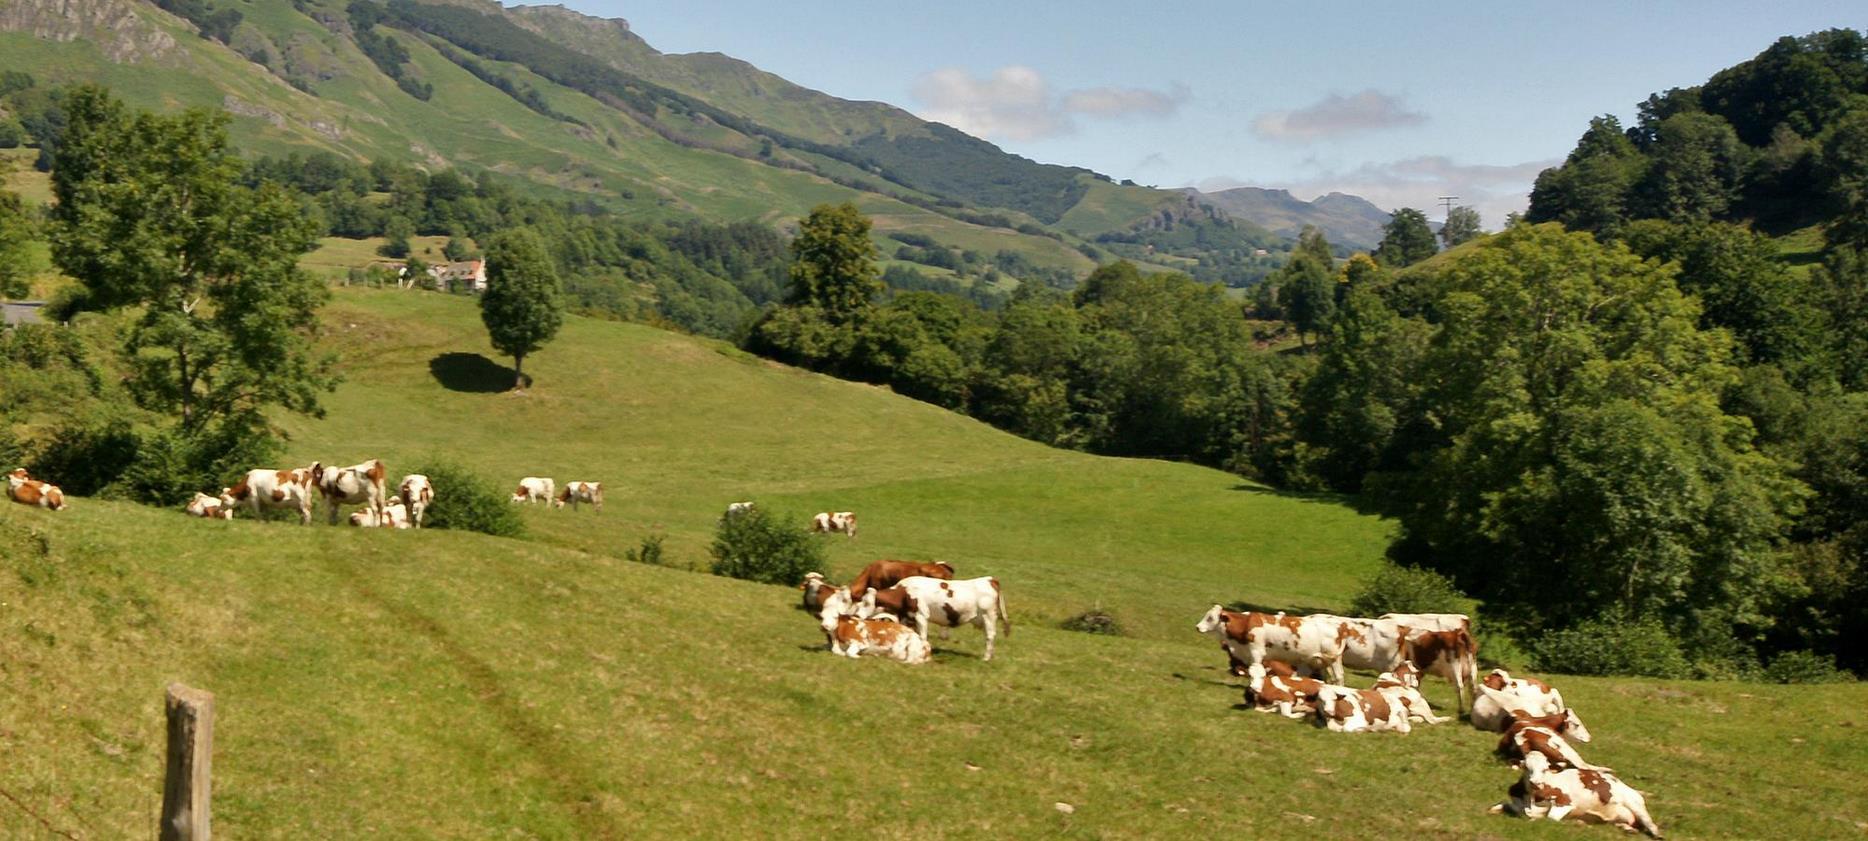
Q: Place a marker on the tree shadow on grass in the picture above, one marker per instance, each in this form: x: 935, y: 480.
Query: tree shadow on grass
x: 1256, y: 607
x: 472, y: 373
x: 1360, y: 503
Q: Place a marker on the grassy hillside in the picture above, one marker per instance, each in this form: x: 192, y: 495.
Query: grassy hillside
x: 447, y: 685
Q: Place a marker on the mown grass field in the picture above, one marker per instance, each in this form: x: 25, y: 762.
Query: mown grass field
x: 448, y: 685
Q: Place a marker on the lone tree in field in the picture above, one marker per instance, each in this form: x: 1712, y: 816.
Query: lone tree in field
x: 1406, y: 239
x: 834, y: 262
x: 521, y: 307
x: 1462, y: 225
x: 152, y: 219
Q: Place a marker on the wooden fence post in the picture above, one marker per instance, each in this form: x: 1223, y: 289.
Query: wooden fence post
x: 185, y: 787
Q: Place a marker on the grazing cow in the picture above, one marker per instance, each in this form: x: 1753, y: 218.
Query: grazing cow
x: 578, y: 492
x: 827, y: 523
x: 1511, y: 697
x: 1545, y: 735
x: 1346, y: 710
x: 882, y: 575
x: 416, y: 492
x: 26, y: 490
x: 1253, y: 637
x: 853, y: 637
x: 358, y: 484
x: 815, y: 591
x: 1450, y: 654
x: 736, y: 509
x: 1543, y: 791
x: 210, y: 507
x: 1274, y: 685
x: 535, y: 489
x: 975, y: 601
x: 263, y: 489
x: 395, y: 516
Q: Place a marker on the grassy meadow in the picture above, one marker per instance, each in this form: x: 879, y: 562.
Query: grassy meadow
x: 450, y: 685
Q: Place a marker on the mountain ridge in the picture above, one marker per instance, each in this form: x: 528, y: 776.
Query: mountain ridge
x: 1345, y: 218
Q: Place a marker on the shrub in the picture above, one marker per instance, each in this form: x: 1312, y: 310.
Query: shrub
x: 1611, y: 647
x: 467, y: 502
x: 1093, y: 621
x: 84, y: 457
x: 1399, y: 589
x: 171, y: 466
x: 764, y: 547
x: 650, y: 552
x: 1805, y: 667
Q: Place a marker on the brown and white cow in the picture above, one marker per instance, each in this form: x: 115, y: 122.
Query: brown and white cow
x: 1402, y: 688
x: 1369, y: 644
x: 1346, y: 710
x: 853, y: 637
x: 359, y: 484
x: 209, y: 507
x: 26, y: 490
x: 882, y: 575
x: 416, y: 492
x: 1274, y: 686
x: 974, y: 601
x: 1432, y: 621
x: 737, y: 509
x: 815, y: 589
x: 1450, y: 654
x: 1510, y: 698
x: 395, y: 515
x: 1252, y: 637
x: 581, y: 492
x: 264, y: 489
x: 1544, y: 791
x: 535, y: 489
x: 1545, y: 735
x: 827, y: 522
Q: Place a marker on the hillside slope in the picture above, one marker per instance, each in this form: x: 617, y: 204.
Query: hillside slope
x: 1344, y: 219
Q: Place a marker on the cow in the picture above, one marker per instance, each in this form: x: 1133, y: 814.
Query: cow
x: 1432, y: 621
x: 1509, y: 697
x: 535, y: 489
x: 26, y: 490
x: 580, y: 492
x: 1450, y: 654
x: 209, y: 507
x: 853, y: 637
x: 815, y: 591
x: 416, y: 492
x: 1545, y: 735
x: 1252, y: 637
x: 1369, y: 644
x: 894, y: 601
x: 395, y: 516
x: 1274, y: 685
x: 1346, y: 710
x: 358, y: 484
x: 974, y: 601
x: 882, y: 575
x: 736, y: 509
x: 828, y: 523
x: 1543, y: 791
x: 1402, y: 689
x: 263, y: 489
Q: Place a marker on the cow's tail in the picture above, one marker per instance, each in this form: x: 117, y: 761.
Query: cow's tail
x: 1467, y: 668
x: 1004, y: 618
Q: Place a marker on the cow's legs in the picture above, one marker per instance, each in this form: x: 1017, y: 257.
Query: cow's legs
x: 987, y: 626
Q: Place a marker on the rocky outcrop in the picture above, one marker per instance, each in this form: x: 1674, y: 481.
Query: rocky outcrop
x: 114, y: 25
x: 242, y: 108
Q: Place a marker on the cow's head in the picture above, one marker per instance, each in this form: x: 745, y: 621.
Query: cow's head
x: 1497, y: 679
x: 1214, y: 620
x: 316, y: 473
x: 1573, y: 726
x: 834, y: 607
x: 1407, y: 674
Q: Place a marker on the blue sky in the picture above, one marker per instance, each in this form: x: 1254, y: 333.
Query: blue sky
x: 1386, y: 100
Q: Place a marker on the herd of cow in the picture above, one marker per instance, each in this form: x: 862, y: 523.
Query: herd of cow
x: 1293, y: 665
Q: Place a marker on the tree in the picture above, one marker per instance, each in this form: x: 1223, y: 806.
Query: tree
x: 1695, y: 166
x: 834, y: 263
x: 1462, y: 225
x: 1845, y: 167
x: 396, y: 233
x: 1589, y: 192
x: 150, y: 219
x: 1742, y: 285
x: 1309, y: 294
x: 522, y: 307
x: 16, y: 231
x: 1406, y: 239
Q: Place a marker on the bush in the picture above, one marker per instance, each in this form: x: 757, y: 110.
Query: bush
x: 1093, y: 621
x: 1399, y: 589
x: 467, y: 502
x: 1611, y: 647
x: 650, y: 552
x: 764, y: 547
x: 1805, y: 667
x: 171, y: 466
x: 84, y: 457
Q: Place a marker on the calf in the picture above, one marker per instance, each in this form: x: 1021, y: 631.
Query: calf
x: 882, y: 575
x: 828, y: 523
x: 26, y: 490
x: 578, y: 492
x: 1449, y: 654
x: 1346, y: 710
x: 358, y: 484
x: 1273, y: 685
x: 1543, y: 791
x: 853, y: 637
x: 416, y: 492
x: 260, y: 490
x: 1253, y: 637
x: 535, y: 489
x: 210, y: 507
x: 1509, y: 697
x: 975, y: 601
x: 395, y: 515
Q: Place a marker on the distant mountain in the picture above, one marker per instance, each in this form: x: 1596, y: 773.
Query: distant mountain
x: 1345, y: 219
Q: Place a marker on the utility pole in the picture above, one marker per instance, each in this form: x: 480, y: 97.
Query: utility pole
x: 1446, y: 206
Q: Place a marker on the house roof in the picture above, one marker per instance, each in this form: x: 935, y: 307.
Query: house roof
x: 20, y: 312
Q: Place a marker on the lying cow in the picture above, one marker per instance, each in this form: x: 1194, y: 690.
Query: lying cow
x: 736, y: 509
x: 26, y: 490
x: 580, y: 492
x: 882, y: 575
x: 1402, y: 688
x: 395, y: 515
x: 853, y: 637
x: 1545, y: 735
x: 815, y: 591
x: 1450, y: 654
x: 210, y: 507
x: 1509, y: 698
x: 416, y: 492
x: 535, y: 489
x: 1274, y: 685
x: 975, y: 601
x: 1346, y: 710
x: 830, y: 523
x: 358, y: 484
x: 261, y: 490
x: 1543, y: 791
x: 1251, y: 637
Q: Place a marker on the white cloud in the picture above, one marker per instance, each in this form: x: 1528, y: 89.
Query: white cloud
x: 1337, y: 115
x: 1492, y: 189
x: 1016, y: 103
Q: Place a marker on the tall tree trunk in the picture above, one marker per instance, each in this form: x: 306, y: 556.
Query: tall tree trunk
x: 518, y: 372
